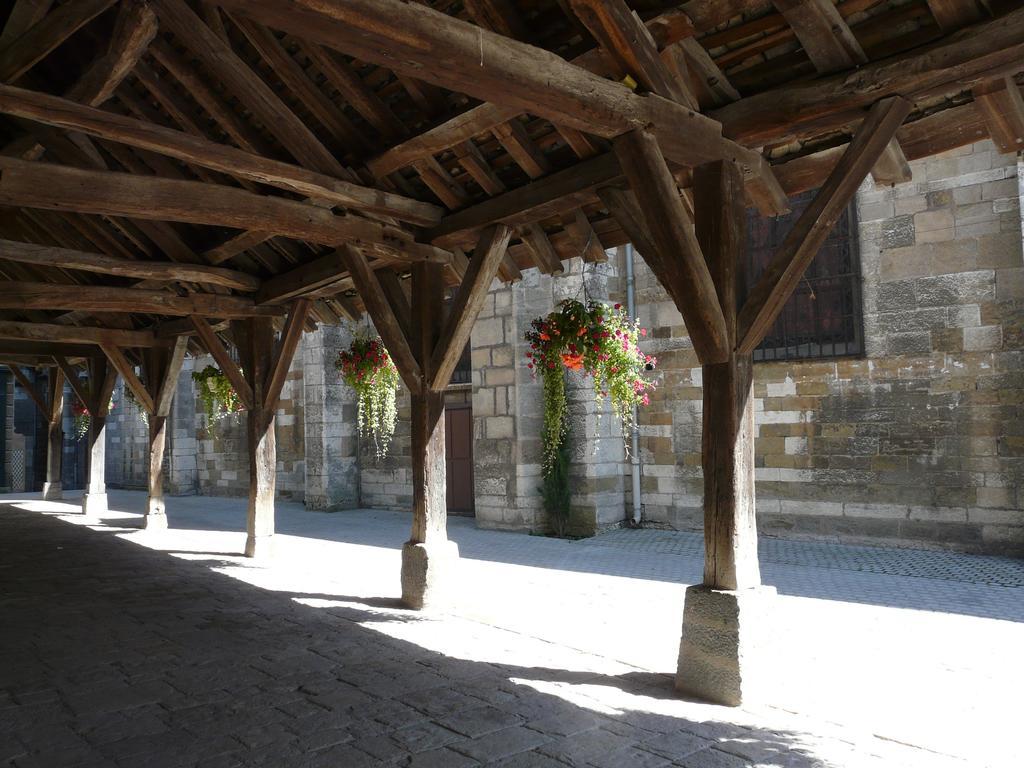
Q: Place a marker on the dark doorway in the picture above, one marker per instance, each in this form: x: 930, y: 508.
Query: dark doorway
x: 458, y: 455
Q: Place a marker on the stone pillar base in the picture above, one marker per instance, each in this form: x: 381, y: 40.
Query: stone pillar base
x: 154, y: 521
x: 259, y: 547
x: 725, y: 637
x: 426, y: 573
x: 94, y: 504
x: 53, y: 492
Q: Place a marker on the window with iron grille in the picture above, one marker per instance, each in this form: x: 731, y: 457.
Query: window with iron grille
x: 822, y: 318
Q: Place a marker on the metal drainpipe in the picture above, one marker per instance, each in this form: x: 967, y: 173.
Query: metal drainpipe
x: 635, y: 436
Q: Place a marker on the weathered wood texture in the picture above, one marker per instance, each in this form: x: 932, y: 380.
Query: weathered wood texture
x: 255, y: 340
x: 429, y: 523
x: 66, y: 258
x: 61, y: 113
x: 730, y: 533
x: 681, y: 267
x: 469, y: 300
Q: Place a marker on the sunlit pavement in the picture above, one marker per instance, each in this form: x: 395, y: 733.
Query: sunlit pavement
x: 143, y: 648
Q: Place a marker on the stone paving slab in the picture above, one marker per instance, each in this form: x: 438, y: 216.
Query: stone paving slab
x: 129, y: 648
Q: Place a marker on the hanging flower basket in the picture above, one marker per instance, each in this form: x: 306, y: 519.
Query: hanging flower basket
x: 82, y: 418
x: 129, y: 396
x: 218, y: 396
x: 367, y: 367
x: 596, y: 340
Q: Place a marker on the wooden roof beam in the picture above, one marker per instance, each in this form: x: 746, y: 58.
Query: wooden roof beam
x: 290, y: 336
x: 131, y: 380
x: 64, y: 258
x: 626, y: 41
x: 37, y: 42
x: 97, y: 298
x: 71, y: 334
x: 681, y: 266
x: 23, y: 16
x: 197, y: 150
x: 53, y: 187
x: 953, y: 14
x: 971, y: 56
x: 221, y: 61
x: 465, y: 58
x: 1002, y: 107
x: 823, y: 33
x: 30, y: 390
x: 134, y: 30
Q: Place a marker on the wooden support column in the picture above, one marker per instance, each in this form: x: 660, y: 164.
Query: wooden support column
x: 428, y: 556
x: 162, y: 366
x: 102, y: 378
x: 714, y: 657
x: 52, y: 488
x: 255, y: 340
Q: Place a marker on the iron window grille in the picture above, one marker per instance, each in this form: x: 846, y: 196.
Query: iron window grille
x: 823, y: 317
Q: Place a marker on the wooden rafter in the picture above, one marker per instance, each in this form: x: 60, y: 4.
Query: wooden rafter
x: 30, y: 390
x: 82, y: 389
x: 97, y: 298
x: 629, y: 44
x: 488, y: 66
x: 680, y: 265
x: 38, y: 185
x: 164, y: 387
x: 1002, y: 107
x: 788, y: 265
x: 52, y: 110
x: 35, y: 43
x: 64, y: 258
x: 127, y: 371
x: 71, y: 334
x: 218, y: 57
x: 290, y: 336
x: 823, y: 33
x: 973, y: 55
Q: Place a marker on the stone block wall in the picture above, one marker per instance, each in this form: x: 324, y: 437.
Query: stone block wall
x: 920, y: 441
x: 508, y: 411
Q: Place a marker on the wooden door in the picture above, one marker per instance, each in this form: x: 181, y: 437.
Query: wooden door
x: 458, y: 457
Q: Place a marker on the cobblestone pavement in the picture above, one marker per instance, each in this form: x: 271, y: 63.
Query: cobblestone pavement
x: 121, y: 647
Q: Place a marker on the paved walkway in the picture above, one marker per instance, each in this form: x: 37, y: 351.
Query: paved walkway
x: 121, y: 647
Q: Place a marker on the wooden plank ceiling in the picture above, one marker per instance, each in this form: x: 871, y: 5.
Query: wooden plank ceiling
x: 178, y: 158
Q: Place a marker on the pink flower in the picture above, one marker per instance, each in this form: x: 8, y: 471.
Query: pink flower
x: 646, y: 400
x: 643, y: 331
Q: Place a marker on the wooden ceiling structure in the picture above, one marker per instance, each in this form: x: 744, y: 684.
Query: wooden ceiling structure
x: 185, y: 172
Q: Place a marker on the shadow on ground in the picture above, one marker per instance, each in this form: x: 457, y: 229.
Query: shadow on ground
x: 119, y: 655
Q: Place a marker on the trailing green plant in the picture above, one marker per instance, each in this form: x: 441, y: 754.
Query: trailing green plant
x: 599, y: 341
x: 555, y: 490
x: 129, y: 396
x: 367, y: 367
x: 82, y: 418
x: 218, y: 396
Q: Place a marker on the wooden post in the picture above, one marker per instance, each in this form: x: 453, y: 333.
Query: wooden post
x: 428, y: 556
x: 714, y: 658
x: 52, y: 488
x: 254, y: 338
x: 102, y: 378
x: 162, y: 366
